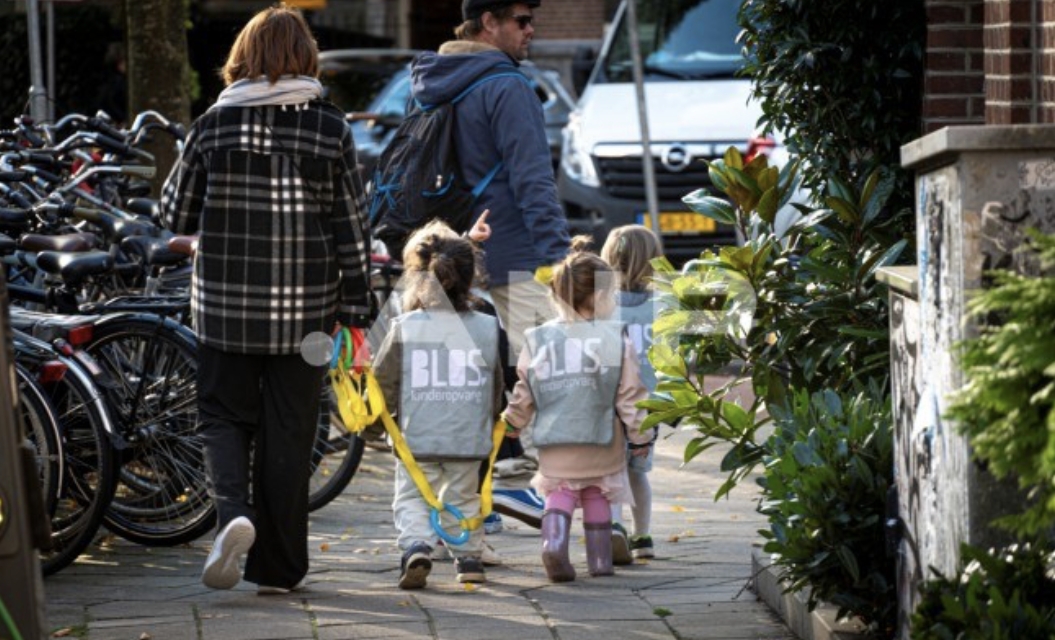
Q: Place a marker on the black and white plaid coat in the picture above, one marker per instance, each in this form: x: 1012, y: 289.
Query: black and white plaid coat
x: 284, y: 248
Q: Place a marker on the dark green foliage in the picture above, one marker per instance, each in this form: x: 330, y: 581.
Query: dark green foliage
x: 1007, y: 406
x: 841, y: 79
x: 827, y: 470
x: 1006, y: 594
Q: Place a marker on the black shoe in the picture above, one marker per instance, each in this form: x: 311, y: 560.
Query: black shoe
x: 415, y: 567
x: 641, y: 546
x: 470, y: 569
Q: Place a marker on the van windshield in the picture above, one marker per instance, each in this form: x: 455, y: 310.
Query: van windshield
x: 680, y: 40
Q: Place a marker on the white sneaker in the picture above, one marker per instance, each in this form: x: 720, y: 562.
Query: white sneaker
x: 264, y: 590
x: 221, y: 567
x: 489, y: 556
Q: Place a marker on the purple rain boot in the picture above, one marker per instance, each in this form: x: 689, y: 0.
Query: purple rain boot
x: 599, y: 548
x: 556, y: 530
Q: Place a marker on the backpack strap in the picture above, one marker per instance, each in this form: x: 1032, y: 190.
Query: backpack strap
x: 480, y: 186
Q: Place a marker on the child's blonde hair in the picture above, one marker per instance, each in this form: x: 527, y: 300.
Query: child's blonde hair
x: 579, y: 276
x: 435, y: 254
x: 629, y: 250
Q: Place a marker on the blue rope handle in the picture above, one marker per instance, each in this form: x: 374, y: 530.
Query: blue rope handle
x: 434, y: 518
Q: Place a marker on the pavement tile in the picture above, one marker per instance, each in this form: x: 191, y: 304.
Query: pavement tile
x: 351, y: 594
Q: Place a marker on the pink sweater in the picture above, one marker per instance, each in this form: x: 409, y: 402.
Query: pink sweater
x: 577, y: 461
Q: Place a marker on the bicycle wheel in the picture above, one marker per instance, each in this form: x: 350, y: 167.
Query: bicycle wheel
x: 161, y: 497
x: 40, y: 426
x: 89, y: 477
x: 336, y: 456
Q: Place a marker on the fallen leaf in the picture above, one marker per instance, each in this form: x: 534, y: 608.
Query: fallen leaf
x: 325, y: 546
x: 65, y: 631
x: 470, y: 587
x: 678, y: 508
x: 147, y: 636
x: 673, y: 538
x: 404, y: 603
x: 662, y: 612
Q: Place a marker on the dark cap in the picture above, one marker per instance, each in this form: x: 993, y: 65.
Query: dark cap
x: 475, y: 8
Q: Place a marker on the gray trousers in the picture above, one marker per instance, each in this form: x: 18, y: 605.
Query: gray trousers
x: 455, y: 483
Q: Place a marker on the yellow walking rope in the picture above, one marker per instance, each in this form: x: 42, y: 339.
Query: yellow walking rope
x: 360, y: 403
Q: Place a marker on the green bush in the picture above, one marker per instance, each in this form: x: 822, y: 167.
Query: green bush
x: 1007, y: 406
x: 841, y: 79
x: 827, y: 470
x: 1007, y: 594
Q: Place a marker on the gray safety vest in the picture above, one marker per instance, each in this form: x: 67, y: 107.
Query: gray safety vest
x: 574, y: 377
x: 638, y: 319
x: 446, y: 408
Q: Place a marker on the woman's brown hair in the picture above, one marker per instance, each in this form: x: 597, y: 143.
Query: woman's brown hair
x: 630, y: 249
x: 578, y: 277
x: 436, y: 255
x: 276, y: 42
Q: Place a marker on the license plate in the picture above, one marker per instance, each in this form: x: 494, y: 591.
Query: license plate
x: 678, y: 222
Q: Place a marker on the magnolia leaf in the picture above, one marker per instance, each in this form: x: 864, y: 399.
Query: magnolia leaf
x: 718, y: 179
x: 666, y: 360
x: 767, y: 205
x: 845, y: 210
x: 869, y: 188
x: 733, y: 159
x: 707, y: 205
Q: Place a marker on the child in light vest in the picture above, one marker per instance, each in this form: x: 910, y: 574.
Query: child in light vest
x: 439, y: 367
x: 577, y: 390
x: 629, y: 250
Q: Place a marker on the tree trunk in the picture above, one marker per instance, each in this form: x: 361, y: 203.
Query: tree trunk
x: 158, y: 70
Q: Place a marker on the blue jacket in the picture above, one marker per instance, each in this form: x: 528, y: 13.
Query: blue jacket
x: 501, y: 120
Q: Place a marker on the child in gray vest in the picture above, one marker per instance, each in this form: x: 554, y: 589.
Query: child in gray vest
x: 629, y: 250
x: 440, y: 371
x: 579, y: 383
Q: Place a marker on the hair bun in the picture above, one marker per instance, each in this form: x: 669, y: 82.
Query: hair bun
x: 582, y: 243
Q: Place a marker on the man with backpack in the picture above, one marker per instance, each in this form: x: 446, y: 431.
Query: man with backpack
x: 500, y: 141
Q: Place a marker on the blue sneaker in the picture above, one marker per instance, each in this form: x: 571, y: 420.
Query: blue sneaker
x: 523, y: 504
x: 493, y: 523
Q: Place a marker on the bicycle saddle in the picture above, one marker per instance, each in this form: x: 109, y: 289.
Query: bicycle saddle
x: 144, y: 207
x: 120, y: 229
x: 67, y: 242
x: 14, y: 218
x: 7, y: 245
x: 186, y: 245
x: 153, y: 251
x: 73, y: 268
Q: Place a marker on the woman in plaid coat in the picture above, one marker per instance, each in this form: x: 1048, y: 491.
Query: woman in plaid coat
x: 268, y: 179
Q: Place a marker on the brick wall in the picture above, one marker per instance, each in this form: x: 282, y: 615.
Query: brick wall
x: 954, y: 81
x: 563, y: 20
x: 1047, y: 62
x: 1010, y: 94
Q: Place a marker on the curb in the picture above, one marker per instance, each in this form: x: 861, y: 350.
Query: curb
x: 820, y: 624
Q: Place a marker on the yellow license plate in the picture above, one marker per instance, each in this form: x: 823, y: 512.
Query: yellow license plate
x: 680, y: 222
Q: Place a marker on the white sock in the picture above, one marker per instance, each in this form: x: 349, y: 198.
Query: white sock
x: 642, y: 509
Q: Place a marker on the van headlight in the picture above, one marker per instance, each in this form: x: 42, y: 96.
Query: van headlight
x: 575, y: 157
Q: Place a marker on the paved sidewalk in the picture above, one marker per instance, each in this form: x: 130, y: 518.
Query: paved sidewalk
x: 694, y: 589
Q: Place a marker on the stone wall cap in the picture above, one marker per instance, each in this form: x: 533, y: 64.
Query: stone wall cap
x: 904, y: 279
x: 942, y: 145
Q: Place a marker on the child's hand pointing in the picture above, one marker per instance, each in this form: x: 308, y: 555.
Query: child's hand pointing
x: 481, y: 231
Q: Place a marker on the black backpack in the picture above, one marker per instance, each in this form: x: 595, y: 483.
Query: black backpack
x: 417, y: 178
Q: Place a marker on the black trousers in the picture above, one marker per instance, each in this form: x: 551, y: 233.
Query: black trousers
x: 269, y: 403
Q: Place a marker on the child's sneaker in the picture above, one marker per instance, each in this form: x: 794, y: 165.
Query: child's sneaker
x: 470, y: 569
x: 493, y: 523
x: 620, y: 545
x: 415, y: 566
x: 641, y: 546
x: 523, y: 504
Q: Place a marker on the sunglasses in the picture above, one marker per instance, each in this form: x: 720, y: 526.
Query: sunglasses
x: 523, y: 21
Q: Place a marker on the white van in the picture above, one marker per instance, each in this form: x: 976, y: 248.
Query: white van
x: 697, y: 108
